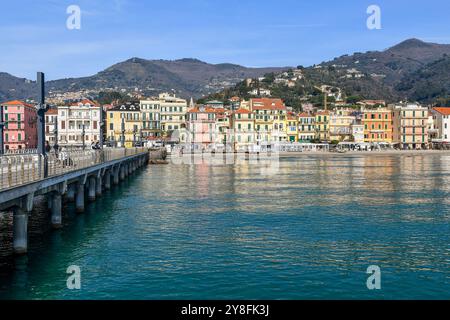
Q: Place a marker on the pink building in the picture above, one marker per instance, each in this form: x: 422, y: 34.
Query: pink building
x: 201, y: 126
x: 20, y: 130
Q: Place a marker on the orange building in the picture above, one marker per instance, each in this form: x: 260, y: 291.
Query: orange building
x: 377, y: 125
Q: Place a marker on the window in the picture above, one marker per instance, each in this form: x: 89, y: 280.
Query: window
x: 111, y: 126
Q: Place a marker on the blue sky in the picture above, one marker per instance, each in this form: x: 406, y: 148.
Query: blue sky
x: 253, y: 33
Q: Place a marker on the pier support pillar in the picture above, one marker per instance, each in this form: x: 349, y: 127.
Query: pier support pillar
x: 108, y: 179
x: 91, y: 189
x: 80, y: 198
x: 98, y: 186
x: 56, y: 210
x: 130, y: 170
x: 20, y: 231
x: 71, y: 190
x: 122, y: 172
x: 116, y: 175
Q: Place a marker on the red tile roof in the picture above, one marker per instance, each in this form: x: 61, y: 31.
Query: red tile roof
x: 305, y: 115
x: 200, y: 109
x: 267, y: 104
x: 443, y: 111
x: 84, y: 102
x: 52, y: 111
x: 17, y: 103
x: 243, y: 111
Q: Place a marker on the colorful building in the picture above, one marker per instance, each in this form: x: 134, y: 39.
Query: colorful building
x: 378, y: 125
x: 243, y: 126
x: 20, y: 130
x: 173, y: 112
x: 410, y: 126
x: 306, y: 127
x: 124, y: 119
x: 322, y: 125
x: 51, y: 124
x: 270, y: 120
x: 340, y: 127
x: 201, y: 127
x: 292, y: 127
x: 151, y: 118
x: 79, y: 123
x: 441, y: 123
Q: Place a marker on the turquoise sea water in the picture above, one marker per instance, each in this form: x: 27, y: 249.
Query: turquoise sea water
x: 229, y: 232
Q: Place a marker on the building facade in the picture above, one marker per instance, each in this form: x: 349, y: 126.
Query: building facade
x: 151, y: 118
x: 20, y: 130
x: 441, y: 123
x: 173, y: 112
x: 306, y: 127
x: 378, y: 125
x: 201, y: 127
x: 51, y: 125
x: 340, y: 126
x: 270, y: 120
x: 79, y: 124
x: 410, y: 126
x: 243, y: 129
x: 322, y: 125
x: 124, y: 125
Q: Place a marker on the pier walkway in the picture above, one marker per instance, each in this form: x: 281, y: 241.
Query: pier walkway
x: 68, y: 174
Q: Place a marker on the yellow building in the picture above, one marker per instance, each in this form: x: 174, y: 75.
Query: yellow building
x: 292, y: 127
x: 306, y: 127
x: 323, y: 125
x: 340, y: 127
x: 124, y: 120
x: 243, y: 129
x: 270, y: 120
x: 173, y: 113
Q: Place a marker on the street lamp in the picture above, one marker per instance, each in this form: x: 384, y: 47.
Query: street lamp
x: 83, y: 132
x: 134, y: 136
x: 55, y: 133
x: 122, y: 137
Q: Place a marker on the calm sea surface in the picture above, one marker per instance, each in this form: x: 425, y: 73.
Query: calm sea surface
x: 309, y: 231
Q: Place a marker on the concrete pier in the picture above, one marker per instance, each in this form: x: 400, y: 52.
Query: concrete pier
x: 71, y: 191
x: 122, y: 172
x: 56, y: 210
x: 98, y: 186
x: 91, y: 189
x: 116, y: 175
x: 108, y: 180
x: 20, y: 231
x: 80, y: 198
x: 71, y: 180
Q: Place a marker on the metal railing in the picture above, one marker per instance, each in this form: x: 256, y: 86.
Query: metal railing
x: 16, y: 170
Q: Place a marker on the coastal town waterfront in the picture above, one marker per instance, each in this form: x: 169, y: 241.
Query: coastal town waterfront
x: 196, y: 231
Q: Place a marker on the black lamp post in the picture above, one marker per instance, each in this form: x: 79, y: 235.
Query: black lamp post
x: 55, y: 133
x: 122, y: 137
x: 102, y: 125
x: 83, y: 132
x: 41, y: 109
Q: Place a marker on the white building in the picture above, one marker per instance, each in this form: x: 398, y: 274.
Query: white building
x: 51, y: 118
x: 77, y: 121
x: 441, y: 123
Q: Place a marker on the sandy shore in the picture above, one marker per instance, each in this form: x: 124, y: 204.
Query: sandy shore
x: 367, y: 153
